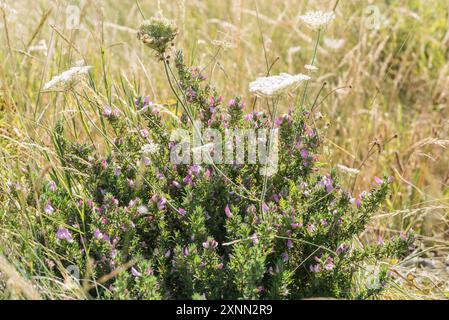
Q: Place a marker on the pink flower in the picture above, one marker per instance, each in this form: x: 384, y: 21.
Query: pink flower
x: 182, y: 212
x: 329, y: 264
x: 284, y: 256
x: 304, y: 153
x: 168, y: 253
x: 107, y: 111
x: 228, y: 212
x: 380, y: 241
x: 98, y: 235
x: 52, y: 186
x: 161, y: 203
x: 311, y: 228
x: 210, y: 244
x: 135, y: 273
x: 64, y: 234
x: 378, y: 180
x: 265, y: 208
x: 144, y: 133
x: 48, y: 208
x: 315, y: 268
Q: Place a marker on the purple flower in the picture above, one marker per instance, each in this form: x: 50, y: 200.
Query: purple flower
x: 161, y: 203
x: 378, y: 180
x: 98, y: 235
x: 168, y: 253
x: 48, y: 208
x: 284, y: 256
x: 104, y: 164
x: 311, y: 228
x: 304, y: 153
x: 107, y: 111
x: 315, y: 268
x: 116, y: 112
x: 289, y: 244
x: 342, y: 248
x: 144, y: 133
x: 135, y: 273
x: 380, y: 241
x: 117, y: 171
x: 228, y: 212
x: 329, y: 264
x: 210, y: 244
x: 194, y: 170
x: 265, y: 208
x: 182, y: 212
x: 64, y: 234
x: 326, y: 183
x: 52, y: 186
x: 187, y: 179
x: 294, y: 226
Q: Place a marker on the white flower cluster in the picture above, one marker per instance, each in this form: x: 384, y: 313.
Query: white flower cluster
x: 347, y: 170
x: 317, y: 19
x: 334, y: 43
x: 273, y: 86
x: 223, y: 44
x: 40, y: 46
x: 67, y: 77
x: 7, y: 8
x: 150, y: 148
x: 311, y: 67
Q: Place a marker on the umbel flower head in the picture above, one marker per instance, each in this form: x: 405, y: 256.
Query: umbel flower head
x: 68, y: 78
x: 157, y: 33
x: 317, y: 19
x: 274, y: 86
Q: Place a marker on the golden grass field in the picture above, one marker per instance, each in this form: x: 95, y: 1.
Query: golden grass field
x: 386, y: 108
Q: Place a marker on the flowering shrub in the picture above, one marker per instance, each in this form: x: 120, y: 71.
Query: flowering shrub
x: 213, y: 231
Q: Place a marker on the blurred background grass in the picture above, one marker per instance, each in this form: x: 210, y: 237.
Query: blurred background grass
x: 386, y: 110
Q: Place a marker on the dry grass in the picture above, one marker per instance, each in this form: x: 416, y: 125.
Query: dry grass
x: 386, y: 106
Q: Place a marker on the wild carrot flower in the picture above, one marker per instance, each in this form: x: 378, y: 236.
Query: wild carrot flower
x: 317, y: 19
x: 157, y: 33
x: 311, y: 67
x: 67, y: 78
x: 347, y: 170
x: 142, y: 210
x: 150, y: 148
x: 223, y: 44
x: 334, y: 43
x: 40, y: 46
x: 276, y: 85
